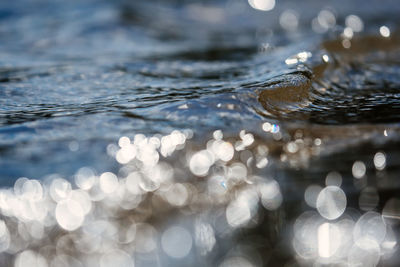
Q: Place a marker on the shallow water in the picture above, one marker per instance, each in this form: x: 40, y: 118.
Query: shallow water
x: 172, y: 133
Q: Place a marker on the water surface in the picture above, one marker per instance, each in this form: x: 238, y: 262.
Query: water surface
x: 210, y: 133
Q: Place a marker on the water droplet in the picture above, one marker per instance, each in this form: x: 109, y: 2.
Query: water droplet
x: 271, y: 197
x: 69, y: 214
x: 331, y: 202
x: 177, y: 195
x: 359, y: 169
x: 60, y: 189
x: 368, y: 199
x: 264, y: 5
x: 108, y: 182
x: 370, y: 226
x: 176, y: 242
x: 326, y: 19
x: 289, y: 20
x: 354, y: 22
x: 200, y: 163
x: 32, y: 190
x: 325, y: 58
x: 267, y: 127
x: 348, y: 33
x: 238, y: 213
x: 311, y: 195
x: 85, y: 178
x: 218, y: 135
x: 333, y: 178
x: 380, y: 161
x: 223, y: 150
x: 384, y: 31
x: 124, y: 141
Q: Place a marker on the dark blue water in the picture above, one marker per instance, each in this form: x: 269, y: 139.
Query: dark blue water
x: 315, y: 83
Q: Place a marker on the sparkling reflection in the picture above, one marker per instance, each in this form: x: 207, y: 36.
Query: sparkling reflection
x: 384, y: 31
x: 359, y: 169
x: 176, y: 242
x: 354, y: 22
x: 263, y: 5
x: 331, y: 202
x: 289, y: 20
x: 380, y: 161
x: 207, y: 193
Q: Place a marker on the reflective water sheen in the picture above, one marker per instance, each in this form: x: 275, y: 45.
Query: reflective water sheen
x: 204, y: 133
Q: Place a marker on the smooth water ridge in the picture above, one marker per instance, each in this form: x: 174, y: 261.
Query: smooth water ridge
x: 204, y: 133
